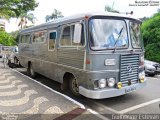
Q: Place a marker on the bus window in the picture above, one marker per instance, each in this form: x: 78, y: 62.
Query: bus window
x: 66, y: 37
x: 39, y: 37
x: 52, y: 38
x: 70, y: 33
x: 22, y: 39
x: 25, y: 39
x: 77, y: 35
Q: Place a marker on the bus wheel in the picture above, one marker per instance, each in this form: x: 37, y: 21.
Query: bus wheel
x: 9, y: 63
x: 73, y: 85
x: 30, y: 71
x: 15, y: 61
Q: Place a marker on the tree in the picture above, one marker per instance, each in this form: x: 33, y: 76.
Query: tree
x: 55, y: 15
x: 151, y: 37
x: 109, y: 9
x: 24, y: 18
x: 6, y: 39
x: 14, y: 34
x: 144, y: 19
x: 15, y: 8
x: 152, y: 52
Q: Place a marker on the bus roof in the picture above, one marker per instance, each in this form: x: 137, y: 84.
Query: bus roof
x: 65, y: 20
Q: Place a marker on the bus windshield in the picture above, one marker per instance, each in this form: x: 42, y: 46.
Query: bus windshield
x: 108, y: 34
x: 135, y: 34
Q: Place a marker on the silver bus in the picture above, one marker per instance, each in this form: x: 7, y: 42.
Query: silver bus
x: 97, y: 55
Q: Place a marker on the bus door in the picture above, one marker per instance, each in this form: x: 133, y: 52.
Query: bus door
x: 51, y: 55
x: 39, y: 49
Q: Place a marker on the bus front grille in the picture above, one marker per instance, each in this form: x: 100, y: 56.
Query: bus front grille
x: 129, y: 69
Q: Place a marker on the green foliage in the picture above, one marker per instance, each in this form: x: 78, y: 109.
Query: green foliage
x: 109, y: 9
x: 24, y: 18
x: 6, y: 39
x: 14, y: 34
x: 55, y: 15
x: 14, y: 8
x: 151, y: 37
x: 153, y: 52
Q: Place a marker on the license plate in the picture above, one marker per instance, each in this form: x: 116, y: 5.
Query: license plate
x: 128, y: 90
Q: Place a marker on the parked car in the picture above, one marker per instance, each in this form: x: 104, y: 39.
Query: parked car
x: 13, y: 57
x: 151, y: 68
x: 157, y: 66
x: 1, y: 50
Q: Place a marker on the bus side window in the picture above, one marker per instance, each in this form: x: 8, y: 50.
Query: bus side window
x: 39, y: 37
x: 52, y: 39
x: 66, y: 37
x: 27, y: 38
x: 23, y: 39
x: 81, y: 37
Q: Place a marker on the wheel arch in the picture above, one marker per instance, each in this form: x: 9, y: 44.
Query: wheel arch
x: 65, y: 80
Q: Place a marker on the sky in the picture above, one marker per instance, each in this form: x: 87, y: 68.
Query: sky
x: 72, y: 7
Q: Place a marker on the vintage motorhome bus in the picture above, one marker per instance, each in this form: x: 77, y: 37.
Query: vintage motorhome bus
x: 97, y: 55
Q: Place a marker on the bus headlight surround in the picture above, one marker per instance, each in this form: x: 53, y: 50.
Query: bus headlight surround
x: 102, y: 83
x: 111, y: 82
x: 141, y: 76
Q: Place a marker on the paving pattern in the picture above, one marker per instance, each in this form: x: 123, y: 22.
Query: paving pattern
x: 25, y: 99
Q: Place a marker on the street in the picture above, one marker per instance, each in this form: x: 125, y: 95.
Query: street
x: 27, y: 98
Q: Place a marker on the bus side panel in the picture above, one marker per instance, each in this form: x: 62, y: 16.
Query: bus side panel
x: 25, y: 53
x: 70, y: 60
x: 44, y: 62
x: 71, y: 57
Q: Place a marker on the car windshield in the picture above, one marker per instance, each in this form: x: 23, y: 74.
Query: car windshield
x: 108, y: 34
x: 135, y: 35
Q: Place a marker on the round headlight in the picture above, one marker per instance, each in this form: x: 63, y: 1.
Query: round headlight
x: 111, y: 82
x: 102, y: 83
x: 142, y: 76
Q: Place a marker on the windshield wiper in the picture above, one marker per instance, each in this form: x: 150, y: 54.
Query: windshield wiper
x: 118, y: 39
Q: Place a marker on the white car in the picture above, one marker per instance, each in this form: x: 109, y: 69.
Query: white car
x: 13, y: 57
x: 151, y: 68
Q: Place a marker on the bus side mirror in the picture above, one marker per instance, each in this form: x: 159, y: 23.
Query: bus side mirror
x: 77, y: 33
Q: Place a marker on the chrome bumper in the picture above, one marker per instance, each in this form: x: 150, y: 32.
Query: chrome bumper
x: 109, y: 92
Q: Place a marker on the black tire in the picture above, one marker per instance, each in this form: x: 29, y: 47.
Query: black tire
x: 9, y: 63
x: 151, y: 75
x: 30, y: 71
x: 73, y: 86
x: 15, y: 61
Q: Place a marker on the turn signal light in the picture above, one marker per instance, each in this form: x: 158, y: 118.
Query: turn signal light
x: 88, y: 61
x: 141, y: 80
x: 119, y: 85
x: 86, y: 17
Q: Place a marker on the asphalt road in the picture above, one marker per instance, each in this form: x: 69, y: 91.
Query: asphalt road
x: 144, y: 101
